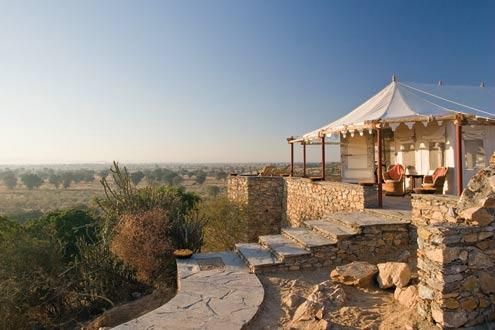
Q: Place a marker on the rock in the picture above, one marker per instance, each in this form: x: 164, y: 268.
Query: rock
x: 470, y: 283
x: 329, y: 294
x: 293, y: 300
x: 425, y: 292
x: 487, y: 282
x: 478, y: 259
x: 312, y: 313
x: 308, y: 310
x: 477, y: 215
x: 392, y: 274
x: 404, y: 256
x: 469, y: 304
x: 489, y: 202
x: 407, y: 296
x: 449, y: 319
x: 357, y: 273
x: 136, y: 295
x: 450, y: 303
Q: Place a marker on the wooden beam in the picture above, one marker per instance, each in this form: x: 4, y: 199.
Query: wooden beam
x: 291, y: 159
x: 304, y: 159
x: 458, y: 155
x: 379, y: 173
x: 323, y: 158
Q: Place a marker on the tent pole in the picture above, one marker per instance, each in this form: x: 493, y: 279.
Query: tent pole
x: 379, y: 164
x: 304, y: 159
x: 323, y: 157
x: 292, y: 159
x: 458, y: 154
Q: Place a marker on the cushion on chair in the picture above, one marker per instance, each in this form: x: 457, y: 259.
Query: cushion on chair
x: 439, y: 172
x: 396, y: 172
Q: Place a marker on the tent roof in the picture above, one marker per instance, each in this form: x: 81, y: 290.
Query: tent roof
x: 410, y: 102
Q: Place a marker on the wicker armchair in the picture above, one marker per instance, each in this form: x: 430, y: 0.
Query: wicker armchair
x: 394, y: 181
x: 436, y: 180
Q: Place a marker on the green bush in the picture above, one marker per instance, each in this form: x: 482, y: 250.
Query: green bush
x: 122, y: 197
x: 44, y: 286
x: 187, y: 233
x: 226, y: 223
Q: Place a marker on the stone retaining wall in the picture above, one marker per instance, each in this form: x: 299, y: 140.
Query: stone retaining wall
x: 377, y: 244
x: 286, y: 201
x: 374, y: 244
x: 456, y: 268
x: 456, y: 254
x: 429, y: 209
x: 306, y: 199
x: 263, y: 195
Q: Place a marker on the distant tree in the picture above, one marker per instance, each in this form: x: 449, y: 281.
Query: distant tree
x: 136, y: 177
x: 221, y: 175
x: 31, y: 180
x: 67, y: 179
x: 200, y: 177
x: 103, y: 173
x: 86, y: 175
x: 176, y: 180
x: 9, y: 179
x: 213, y: 191
x: 55, y: 180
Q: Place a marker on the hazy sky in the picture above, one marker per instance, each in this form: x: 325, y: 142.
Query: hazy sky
x: 215, y: 81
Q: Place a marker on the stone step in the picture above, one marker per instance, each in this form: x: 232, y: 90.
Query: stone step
x: 283, y: 247
x: 331, y: 229
x: 403, y: 216
x: 307, y: 238
x: 256, y: 256
x: 358, y: 220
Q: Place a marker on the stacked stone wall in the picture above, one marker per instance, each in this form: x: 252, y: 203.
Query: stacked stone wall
x: 430, y: 209
x: 263, y: 196
x: 305, y: 199
x: 377, y: 244
x: 456, y: 268
x: 456, y: 254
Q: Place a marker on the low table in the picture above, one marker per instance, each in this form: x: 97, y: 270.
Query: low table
x: 366, y: 183
x: 413, y: 181
x: 425, y: 190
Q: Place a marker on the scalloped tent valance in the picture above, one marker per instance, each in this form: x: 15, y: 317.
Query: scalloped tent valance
x: 410, y: 102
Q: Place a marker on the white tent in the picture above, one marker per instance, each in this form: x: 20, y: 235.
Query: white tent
x: 410, y: 102
x: 420, y: 125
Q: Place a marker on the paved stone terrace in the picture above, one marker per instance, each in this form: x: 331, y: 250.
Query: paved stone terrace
x: 215, y: 291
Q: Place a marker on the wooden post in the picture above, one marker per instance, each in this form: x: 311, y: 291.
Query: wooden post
x: 291, y: 159
x: 458, y: 154
x: 379, y: 173
x: 304, y: 159
x: 323, y: 157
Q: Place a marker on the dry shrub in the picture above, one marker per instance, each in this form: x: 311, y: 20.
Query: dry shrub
x: 226, y: 223
x: 141, y: 241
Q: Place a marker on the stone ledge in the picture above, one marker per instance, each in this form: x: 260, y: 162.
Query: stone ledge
x: 433, y: 197
x: 225, y: 296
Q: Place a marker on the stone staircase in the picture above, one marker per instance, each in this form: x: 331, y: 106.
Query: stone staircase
x: 375, y: 235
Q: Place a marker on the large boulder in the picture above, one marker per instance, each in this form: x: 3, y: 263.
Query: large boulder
x: 476, y: 203
x: 357, y: 273
x: 406, y: 296
x: 393, y: 274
